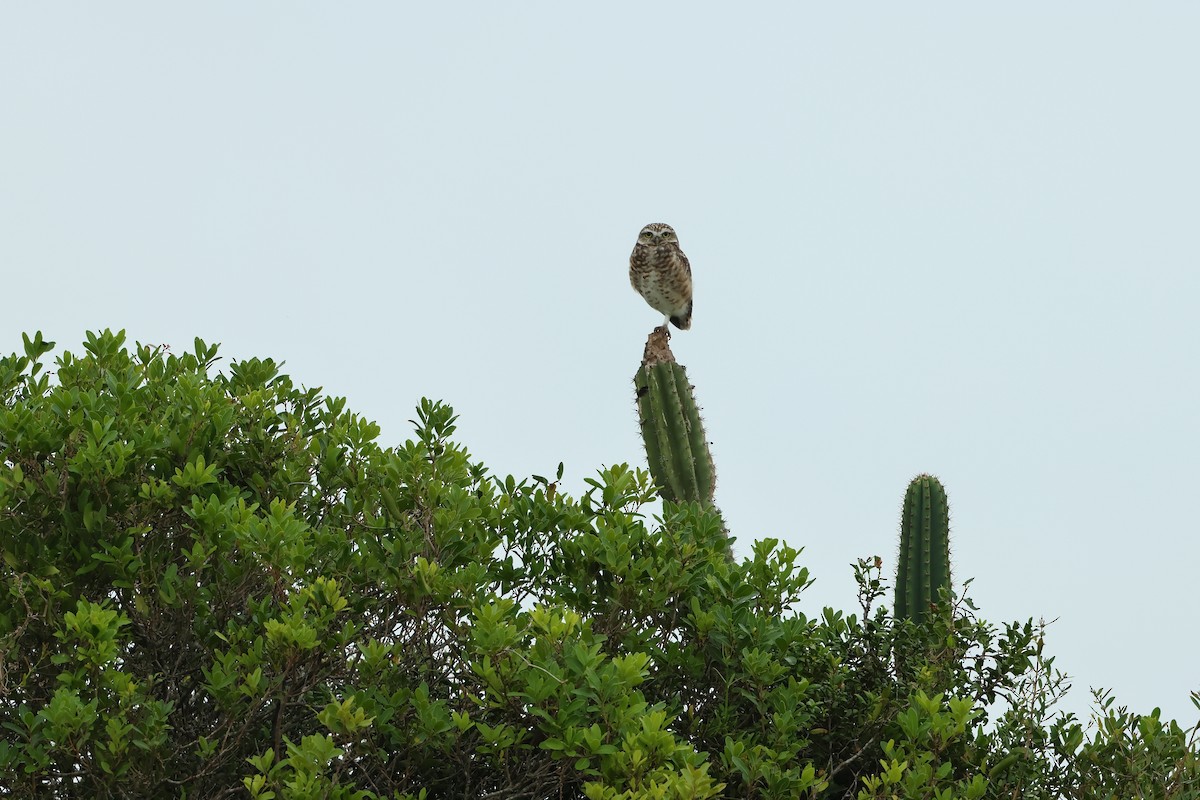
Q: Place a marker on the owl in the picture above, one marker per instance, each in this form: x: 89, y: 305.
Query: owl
x: 660, y: 272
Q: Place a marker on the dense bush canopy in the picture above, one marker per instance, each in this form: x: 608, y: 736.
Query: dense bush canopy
x: 217, y: 584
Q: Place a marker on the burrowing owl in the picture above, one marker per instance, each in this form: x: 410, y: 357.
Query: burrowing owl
x: 660, y: 272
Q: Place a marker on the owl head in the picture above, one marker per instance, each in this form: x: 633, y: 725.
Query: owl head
x: 657, y: 233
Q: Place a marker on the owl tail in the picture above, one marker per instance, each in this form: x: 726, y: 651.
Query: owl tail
x: 684, y: 321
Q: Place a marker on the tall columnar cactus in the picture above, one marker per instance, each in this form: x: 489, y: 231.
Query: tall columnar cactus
x: 672, y: 431
x: 924, y: 562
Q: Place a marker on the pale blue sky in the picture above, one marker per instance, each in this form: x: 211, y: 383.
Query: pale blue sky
x: 942, y: 238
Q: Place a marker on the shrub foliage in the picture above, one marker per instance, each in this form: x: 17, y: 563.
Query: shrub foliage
x: 217, y: 583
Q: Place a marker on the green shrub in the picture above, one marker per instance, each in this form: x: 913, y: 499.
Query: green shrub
x: 220, y: 584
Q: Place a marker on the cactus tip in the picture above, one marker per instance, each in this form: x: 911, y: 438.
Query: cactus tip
x: 658, y: 348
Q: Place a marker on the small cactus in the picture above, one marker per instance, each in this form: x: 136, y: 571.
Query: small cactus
x: 672, y: 430
x: 924, y: 563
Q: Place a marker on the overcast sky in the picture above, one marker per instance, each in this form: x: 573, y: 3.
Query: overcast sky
x: 947, y: 238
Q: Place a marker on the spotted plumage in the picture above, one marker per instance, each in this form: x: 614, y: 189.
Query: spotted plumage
x: 660, y: 272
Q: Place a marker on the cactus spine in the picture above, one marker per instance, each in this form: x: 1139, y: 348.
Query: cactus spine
x: 676, y: 447
x: 924, y: 563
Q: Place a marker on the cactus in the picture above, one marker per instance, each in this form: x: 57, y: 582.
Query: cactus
x: 924, y: 562
x: 672, y: 431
